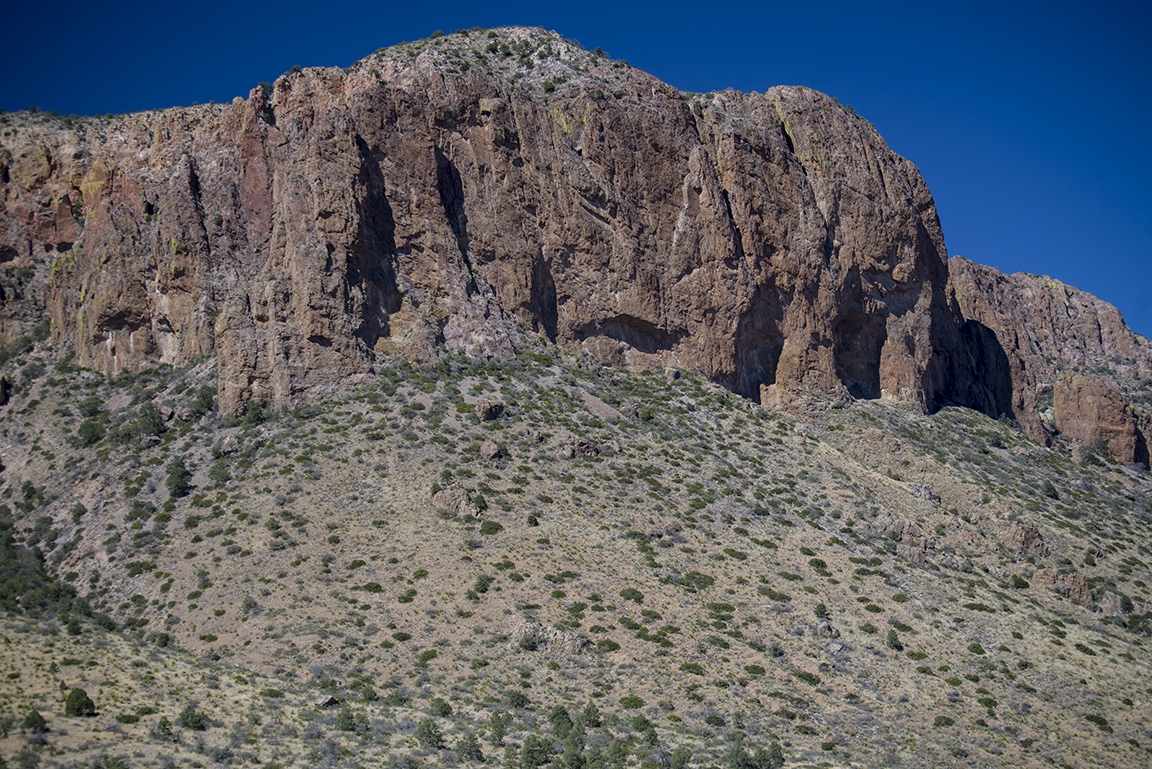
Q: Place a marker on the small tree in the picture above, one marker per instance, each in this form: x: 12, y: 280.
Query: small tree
x: 497, y: 728
x: 179, y: 480
x: 429, y: 735
x: 78, y: 703
x: 89, y: 433
x: 560, y: 720
x: 191, y: 718
x: 680, y: 757
x: 469, y: 748
x: 536, y: 752
x: 345, y: 721
x: 821, y: 611
x: 149, y: 421
x: 34, y: 722
x: 894, y: 640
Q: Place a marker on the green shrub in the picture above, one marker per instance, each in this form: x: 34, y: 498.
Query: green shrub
x: 631, y: 702
x: 943, y: 721
x: 632, y: 594
x: 489, y: 528
x: 34, y: 722
x: 693, y: 667
x: 79, y: 703
x: 429, y: 735
x: 1101, y: 723
x: 975, y: 648
x: 191, y: 718
x: 179, y: 481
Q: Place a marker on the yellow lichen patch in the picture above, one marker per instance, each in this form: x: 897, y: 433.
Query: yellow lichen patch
x: 98, y: 175
x: 63, y: 264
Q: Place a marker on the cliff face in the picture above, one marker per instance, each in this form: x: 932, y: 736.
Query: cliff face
x: 765, y: 240
x: 483, y: 193
x: 1074, y: 366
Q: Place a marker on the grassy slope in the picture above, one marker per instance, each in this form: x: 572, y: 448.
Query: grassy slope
x: 679, y: 568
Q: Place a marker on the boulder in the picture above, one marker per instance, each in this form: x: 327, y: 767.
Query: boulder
x: 489, y: 411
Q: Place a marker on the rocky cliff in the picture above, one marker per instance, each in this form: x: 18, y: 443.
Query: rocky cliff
x: 1074, y: 366
x: 489, y: 192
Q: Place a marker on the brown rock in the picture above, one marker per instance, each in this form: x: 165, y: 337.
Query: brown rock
x: 770, y: 239
x: 1074, y: 585
x: 585, y: 447
x: 489, y: 411
x: 1022, y: 330
x: 1025, y: 540
x: 771, y: 242
x: 1078, y: 589
x: 455, y: 501
x: 824, y: 629
x: 489, y: 450
x: 1090, y: 409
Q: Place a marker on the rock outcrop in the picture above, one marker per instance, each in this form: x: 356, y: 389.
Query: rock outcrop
x: 491, y: 192
x: 1093, y: 410
x: 1071, y: 364
x: 411, y: 202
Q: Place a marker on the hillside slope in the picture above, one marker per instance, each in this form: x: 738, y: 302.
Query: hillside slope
x: 873, y: 586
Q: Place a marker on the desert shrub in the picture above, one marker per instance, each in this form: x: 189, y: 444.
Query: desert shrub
x: 34, y: 722
x: 429, y: 735
x: 441, y: 708
x: 943, y: 721
x: 975, y: 648
x: 489, y: 528
x: 179, y: 480
x: 79, y: 703
x: 631, y: 702
x: 632, y: 594
x: 1101, y: 723
x: 89, y: 433
x: 808, y: 678
x: 191, y: 718
x: 693, y: 667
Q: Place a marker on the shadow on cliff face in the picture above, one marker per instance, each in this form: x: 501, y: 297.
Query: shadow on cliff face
x: 982, y: 378
x: 1142, y: 455
x: 370, y: 265
x: 451, y: 189
x: 858, y: 343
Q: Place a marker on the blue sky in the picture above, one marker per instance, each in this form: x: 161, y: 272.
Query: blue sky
x: 1030, y: 121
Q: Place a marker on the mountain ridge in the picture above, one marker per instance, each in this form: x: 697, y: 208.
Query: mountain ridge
x: 534, y: 410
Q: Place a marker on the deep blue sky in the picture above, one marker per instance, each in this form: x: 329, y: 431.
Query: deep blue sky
x: 1031, y: 122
